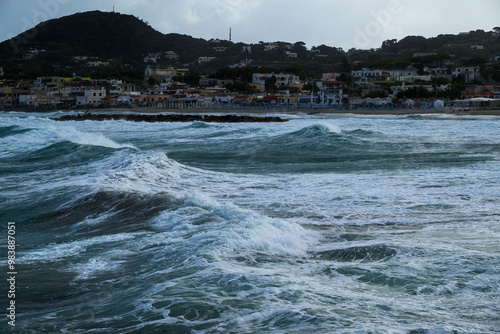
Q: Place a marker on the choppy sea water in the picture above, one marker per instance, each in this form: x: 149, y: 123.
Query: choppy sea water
x: 317, y: 225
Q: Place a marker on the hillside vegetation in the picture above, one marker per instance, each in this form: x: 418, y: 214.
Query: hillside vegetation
x: 123, y: 41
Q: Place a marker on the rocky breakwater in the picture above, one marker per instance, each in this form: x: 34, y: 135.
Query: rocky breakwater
x: 170, y: 118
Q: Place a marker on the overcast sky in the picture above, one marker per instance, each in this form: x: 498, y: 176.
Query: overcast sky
x: 362, y: 24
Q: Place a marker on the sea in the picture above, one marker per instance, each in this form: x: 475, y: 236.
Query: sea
x: 326, y: 223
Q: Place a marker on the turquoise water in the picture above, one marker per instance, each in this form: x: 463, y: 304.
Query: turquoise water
x: 322, y: 224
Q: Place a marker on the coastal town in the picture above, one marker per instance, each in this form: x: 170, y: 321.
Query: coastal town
x: 268, y: 90
x: 464, y: 73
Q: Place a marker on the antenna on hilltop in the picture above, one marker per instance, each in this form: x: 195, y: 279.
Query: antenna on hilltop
x: 113, y: 9
x: 230, y: 34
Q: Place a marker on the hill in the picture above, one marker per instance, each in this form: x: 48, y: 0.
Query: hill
x: 121, y: 41
x: 100, y: 34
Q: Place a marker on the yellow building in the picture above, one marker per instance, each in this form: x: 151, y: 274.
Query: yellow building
x: 68, y: 80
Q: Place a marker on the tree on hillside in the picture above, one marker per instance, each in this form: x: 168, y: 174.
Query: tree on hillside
x: 192, y: 78
x: 346, y: 65
x: 300, y: 49
x: 270, y: 83
x: 347, y: 78
x: 390, y: 45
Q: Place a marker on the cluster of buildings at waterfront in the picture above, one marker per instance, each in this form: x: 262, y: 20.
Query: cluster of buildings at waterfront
x: 74, y: 92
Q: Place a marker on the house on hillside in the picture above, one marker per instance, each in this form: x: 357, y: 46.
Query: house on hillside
x: 246, y: 48
x: 171, y: 55
x: 403, y: 75
x: 440, y: 71
x: 153, y: 57
x: 329, y: 76
x: 270, y: 46
x: 164, y: 73
x: 397, y: 89
x: 332, y: 92
x: 471, y: 72
x: 366, y: 73
x: 259, y: 80
x: 212, y: 82
x: 202, y: 60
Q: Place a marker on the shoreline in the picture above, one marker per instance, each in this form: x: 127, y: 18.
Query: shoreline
x: 284, y: 111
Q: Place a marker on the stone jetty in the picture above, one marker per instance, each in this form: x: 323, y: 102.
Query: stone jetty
x: 170, y: 118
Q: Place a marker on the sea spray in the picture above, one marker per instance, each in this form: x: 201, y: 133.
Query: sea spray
x: 325, y: 223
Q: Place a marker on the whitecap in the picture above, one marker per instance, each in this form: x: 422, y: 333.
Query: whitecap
x: 55, y: 252
x: 229, y: 229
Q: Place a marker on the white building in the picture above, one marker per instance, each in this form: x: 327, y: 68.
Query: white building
x: 220, y: 48
x: 270, y: 46
x: 246, y: 48
x: 91, y: 97
x: 397, y: 89
x: 202, y: 60
x: 403, y: 75
x: 366, y: 73
x: 171, y: 55
x: 27, y: 99
x: 471, y: 73
x: 332, y: 92
x: 151, y: 57
x: 440, y: 71
x: 281, y: 79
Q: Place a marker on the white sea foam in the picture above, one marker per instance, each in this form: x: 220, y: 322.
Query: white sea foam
x: 71, y: 134
x: 93, y: 266
x: 322, y: 127
x: 108, y: 261
x: 148, y: 172
x: 329, y: 127
x: 55, y: 252
x: 44, y: 133
x: 229, y: 228
x: 230, y: 246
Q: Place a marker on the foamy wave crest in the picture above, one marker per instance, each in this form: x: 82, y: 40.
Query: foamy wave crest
x: 322, y: 127
x: 148, y: 172
x: 37, y: 134
x: 109, y: 261
x: 57, y: 252
x: 85, y: 138
x: 228, y: 230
